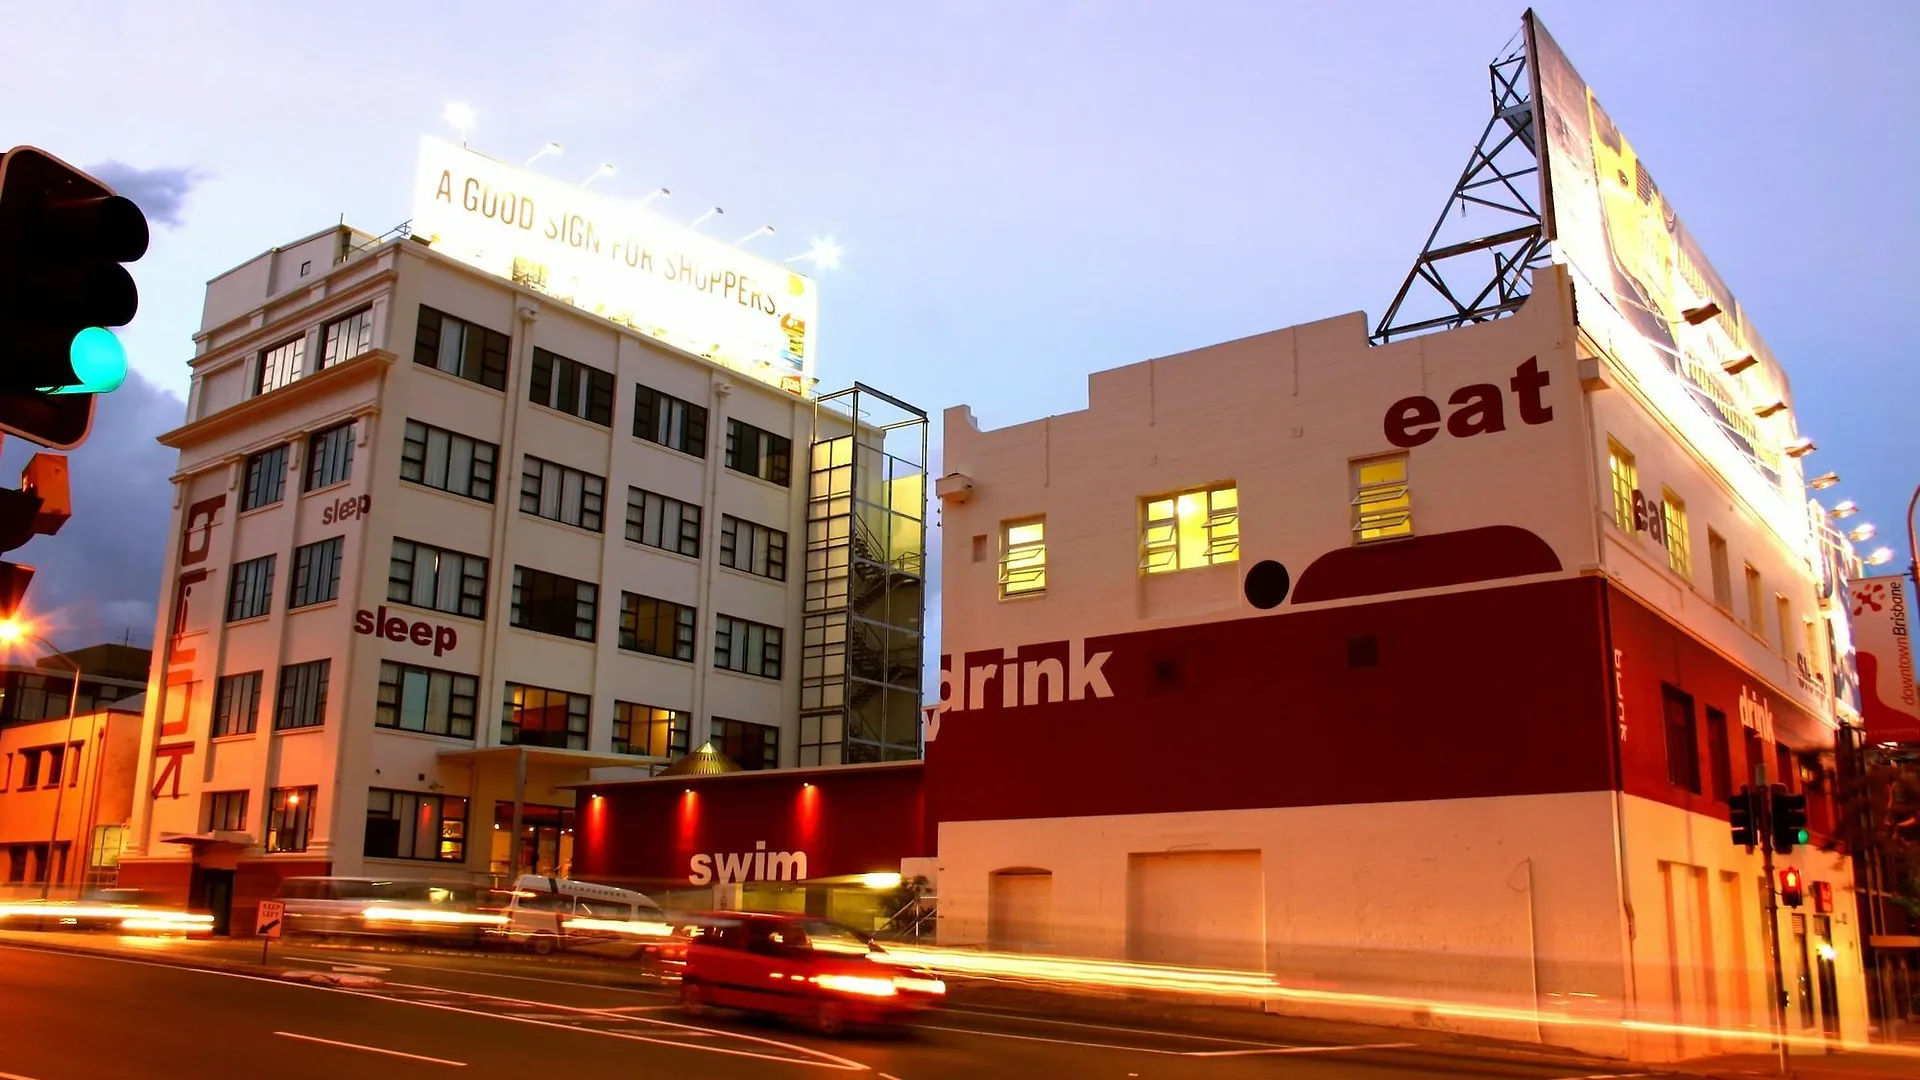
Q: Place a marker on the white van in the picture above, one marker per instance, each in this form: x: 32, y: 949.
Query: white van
x: 542, y: 908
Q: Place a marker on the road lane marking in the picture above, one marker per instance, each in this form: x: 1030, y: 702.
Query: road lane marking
x: 814, y: 1059
x: 1109, y: 1027
x: 483, y: 974
x: 1301, y: 1050
x: 369, y: 1049
x: 1056, y: 1042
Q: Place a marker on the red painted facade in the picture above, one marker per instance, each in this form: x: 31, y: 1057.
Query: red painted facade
x: 1490, y: 692
x: 852, y: 820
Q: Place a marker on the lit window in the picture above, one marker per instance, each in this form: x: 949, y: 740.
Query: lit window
x: 1382, y: 507
x: 1626, y: 478
x: 1675, y: 530
x: 1023, y: 558
x: 1193, y: 528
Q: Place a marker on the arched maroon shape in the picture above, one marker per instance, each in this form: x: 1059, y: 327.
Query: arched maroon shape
x: 1426, y: 562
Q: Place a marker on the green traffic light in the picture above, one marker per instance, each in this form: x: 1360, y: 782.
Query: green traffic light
x: 1803, y: 836
x: 99, y: 361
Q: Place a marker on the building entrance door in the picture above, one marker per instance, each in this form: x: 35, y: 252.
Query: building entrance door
x: 211, y: 891
x: 1828, y: 978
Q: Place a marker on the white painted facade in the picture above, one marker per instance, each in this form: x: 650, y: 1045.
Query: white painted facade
x: 295, y: 292
x: 1595, y: 905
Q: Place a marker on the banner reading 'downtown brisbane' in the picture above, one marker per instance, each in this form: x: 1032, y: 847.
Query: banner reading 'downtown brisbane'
x: 620, y: 261
x: 1633, y: 255
x: 1883, y: 640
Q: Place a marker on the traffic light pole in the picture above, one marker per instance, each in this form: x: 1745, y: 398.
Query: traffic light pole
x: 1763, y: 827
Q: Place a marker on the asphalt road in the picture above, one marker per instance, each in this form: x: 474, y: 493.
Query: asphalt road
x: 65, y: 1016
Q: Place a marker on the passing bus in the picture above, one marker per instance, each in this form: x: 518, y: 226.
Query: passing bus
x: 549, y: 913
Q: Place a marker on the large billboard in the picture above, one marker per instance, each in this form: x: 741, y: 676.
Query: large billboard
x: 1889, y: 704
x: 1638, y: 273
x: 617, y: 259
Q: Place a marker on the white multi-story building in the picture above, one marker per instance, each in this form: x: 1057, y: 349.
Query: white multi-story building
x: 443, y: 544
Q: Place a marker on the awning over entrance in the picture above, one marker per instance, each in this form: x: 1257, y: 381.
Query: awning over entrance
x: 520, y: 758
x: 209, y: 842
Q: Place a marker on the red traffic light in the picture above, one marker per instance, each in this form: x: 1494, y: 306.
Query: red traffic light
x: 1790, y: 893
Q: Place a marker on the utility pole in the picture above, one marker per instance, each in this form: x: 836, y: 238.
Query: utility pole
x: 1763, y: 828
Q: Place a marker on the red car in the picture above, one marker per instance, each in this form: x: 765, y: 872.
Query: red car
x: 811, y: 969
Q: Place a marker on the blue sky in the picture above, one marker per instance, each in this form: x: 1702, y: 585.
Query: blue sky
x: 1026, y: 192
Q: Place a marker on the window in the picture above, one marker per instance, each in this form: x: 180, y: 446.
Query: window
x: 1784, y: 773
x: 438, y: 579
x: 250, y: 593
x: 1023, y: 558
x: 750, y: 648
x: 1193, y: 528
x: 1382, y: 502
x: 558, y: 493
x: 535, y: 716
x: 1722, y: 574
x: 572, y: 387
x: 289, y: 819
x: 440, y: 459
x: 1626, y: 479
x: 226, y: 811
x: 649, y: 730
x: 56, y: 765
x: 1721, y: 749
x: 330, y: 456
x: 753, y: 548
x: 758, y: 453
x: 281, y: 365
x: 473, y: 353
x: 1815, y: 654
x: 1683, y: 751
x: 1674, y: 527
x: 746, y: 744
x: 30, y: 767
x: 236, y: 704
x: 346, y: 337
x: 1782, y: 619
x: 663, y: 522
x: 266, y: 479
x: 669, y: 421
x: 409, y: 825
x: 302, y: 701
x: 1756, y: 614
x: 656, y: 627
x: 426, y: 700
x: 316, y: 572
x: 552, y: 604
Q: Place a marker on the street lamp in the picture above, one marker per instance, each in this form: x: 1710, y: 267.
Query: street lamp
x: 605, y: 169
x: 12, y: 632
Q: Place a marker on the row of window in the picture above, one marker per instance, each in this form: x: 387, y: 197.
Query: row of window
x: 447, y: 461
x: 1718, y: 780
x: 41, y: 766
x: 289, y: 816
x: 479, y: 355
x: 1624, y: 474
x: 1201, y: 527
x: 316, y: 579
x: 329, y: 462
x: 341, y: 340
x: 430, y: 701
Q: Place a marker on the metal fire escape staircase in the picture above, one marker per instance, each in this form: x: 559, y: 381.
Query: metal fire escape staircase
x: 1485, y: 275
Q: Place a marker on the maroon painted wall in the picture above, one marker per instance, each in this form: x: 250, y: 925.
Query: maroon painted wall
x: 853, y: 820
x: 1654, y: 652
x: 1497, y: 691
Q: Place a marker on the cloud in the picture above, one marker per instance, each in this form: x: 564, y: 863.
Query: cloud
x: 159, y: 193
x: 99, y: 579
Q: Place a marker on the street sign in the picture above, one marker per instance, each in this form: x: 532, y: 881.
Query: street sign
x: 267, y: 923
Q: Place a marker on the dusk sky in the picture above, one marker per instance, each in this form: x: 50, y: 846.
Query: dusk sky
x: 1026, y: 192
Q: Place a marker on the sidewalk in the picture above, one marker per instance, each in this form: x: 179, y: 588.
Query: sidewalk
x: 1842, y: 1066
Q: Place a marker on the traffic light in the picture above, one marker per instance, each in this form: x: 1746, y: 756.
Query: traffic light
x: 1789, y: 817
x: 1790, y: 887
x: 1741, y: 814
x: 63, y: 238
